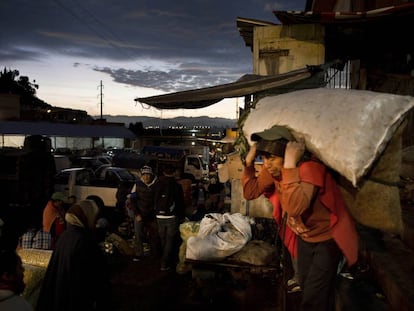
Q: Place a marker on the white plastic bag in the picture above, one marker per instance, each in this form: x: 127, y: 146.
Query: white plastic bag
x: 219, y: 236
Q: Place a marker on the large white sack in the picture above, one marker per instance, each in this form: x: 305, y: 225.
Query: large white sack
x: 376, y: 203
x: 346, y: 129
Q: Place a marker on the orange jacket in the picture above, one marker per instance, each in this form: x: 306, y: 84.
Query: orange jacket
x: 52, y: 216
x: 342, y: 227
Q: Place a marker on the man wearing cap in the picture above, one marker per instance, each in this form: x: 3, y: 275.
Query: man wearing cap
x: 54, y: 217
x: 142, y: 205
x: 319, y: 228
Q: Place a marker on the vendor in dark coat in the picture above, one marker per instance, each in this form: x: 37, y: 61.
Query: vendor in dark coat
x: 145, y: 223
x: 76, y: 277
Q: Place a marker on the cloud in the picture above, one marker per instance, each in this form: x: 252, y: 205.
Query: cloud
x: 169, y: 81
x: 189, y: 43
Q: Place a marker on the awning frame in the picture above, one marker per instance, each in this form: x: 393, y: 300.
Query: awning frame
x: 308, y: 77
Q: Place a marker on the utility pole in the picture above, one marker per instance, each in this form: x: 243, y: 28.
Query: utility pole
x: 101, y: 96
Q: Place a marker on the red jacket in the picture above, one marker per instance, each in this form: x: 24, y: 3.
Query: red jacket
x: 342, y: 227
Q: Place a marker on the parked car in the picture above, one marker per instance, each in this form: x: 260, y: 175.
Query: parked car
x: 61, y: 162
x: 115, y: 174
x: 109, y: 194
x: 84, y: 184
x: 90, y: 162
x: 105, y: 159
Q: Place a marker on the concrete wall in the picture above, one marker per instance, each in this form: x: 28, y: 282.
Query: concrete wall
x: 280, y: 49
x: 9, y: 107
x: 232, y: 171
x: 260, y: 207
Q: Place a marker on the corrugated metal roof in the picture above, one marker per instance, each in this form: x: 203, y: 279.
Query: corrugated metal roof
x: 246, y: 85
x: 64, y: 130
x: 404, y: 10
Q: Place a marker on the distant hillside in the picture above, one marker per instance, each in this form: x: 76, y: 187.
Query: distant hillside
x: 188, y: 122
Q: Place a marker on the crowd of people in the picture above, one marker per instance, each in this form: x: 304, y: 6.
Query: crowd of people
x: 319, y: 233
x: 75, y: 278
x: 319, y: 230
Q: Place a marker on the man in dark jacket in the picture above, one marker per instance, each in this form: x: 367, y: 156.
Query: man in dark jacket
x: 142, y: 205
x: 170, y: 211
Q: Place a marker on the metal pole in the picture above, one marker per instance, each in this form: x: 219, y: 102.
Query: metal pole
x: 101, y: 99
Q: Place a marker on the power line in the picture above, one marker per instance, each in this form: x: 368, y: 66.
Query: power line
x: 108, y: 37
x: 102, y: 25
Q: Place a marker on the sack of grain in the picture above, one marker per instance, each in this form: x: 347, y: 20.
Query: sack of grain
x: 346, y: 129
x: 356, y: 133
x: 35, y: 257
x: 376, y: 203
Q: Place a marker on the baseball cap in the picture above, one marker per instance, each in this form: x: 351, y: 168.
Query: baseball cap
x: 273, y: 140
x: 58, y: 196
x: 146, y: 170
x: 274, y: 133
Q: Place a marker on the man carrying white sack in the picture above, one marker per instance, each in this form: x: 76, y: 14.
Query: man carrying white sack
x: 304, y: 189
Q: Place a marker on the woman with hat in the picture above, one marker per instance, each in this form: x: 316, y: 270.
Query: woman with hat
x: 77, y: 274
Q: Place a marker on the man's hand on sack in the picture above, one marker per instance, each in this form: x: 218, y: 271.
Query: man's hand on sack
x: 293, y: 153
x: 251, y: 155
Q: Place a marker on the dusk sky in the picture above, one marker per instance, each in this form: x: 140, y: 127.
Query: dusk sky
x: 137, y: 48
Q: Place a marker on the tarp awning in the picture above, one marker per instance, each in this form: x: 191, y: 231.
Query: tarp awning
x: 246, y: 85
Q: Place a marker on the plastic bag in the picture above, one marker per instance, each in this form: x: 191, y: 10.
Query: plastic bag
x: 219, y: 236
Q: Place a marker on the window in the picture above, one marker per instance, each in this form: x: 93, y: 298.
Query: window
x: 194, y: 162
x: 83, y: 178
x: 62, y: 178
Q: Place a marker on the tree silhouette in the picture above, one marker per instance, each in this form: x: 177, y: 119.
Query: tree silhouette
x: 12, y: 83
x: 28, y: 87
